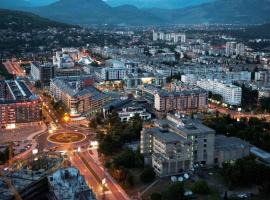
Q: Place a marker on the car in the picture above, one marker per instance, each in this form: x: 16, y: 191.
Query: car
x: 242, y: 196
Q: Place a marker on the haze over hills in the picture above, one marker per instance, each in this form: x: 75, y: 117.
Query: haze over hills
x: 220, y: 11
x: 95, y: 12
x: 11, y: 4
x: 166, y: 4
x: 87, y: 12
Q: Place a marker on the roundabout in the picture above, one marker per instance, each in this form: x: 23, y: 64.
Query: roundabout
x: 66, y: 138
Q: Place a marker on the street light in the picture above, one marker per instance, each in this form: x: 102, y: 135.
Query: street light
x: 66, y: 117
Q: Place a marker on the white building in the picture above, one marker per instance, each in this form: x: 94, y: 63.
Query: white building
x: 66, y: 57
x: 170, y: 37
x: 126, y: 113
x: 231, y: 94
x: 117, y: 70
x: 240, y: 49
x: 233, y: 48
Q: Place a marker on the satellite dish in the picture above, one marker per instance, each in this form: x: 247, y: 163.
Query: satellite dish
x: 173, y: 178
x: 186, y: 176
x: 180, y: 179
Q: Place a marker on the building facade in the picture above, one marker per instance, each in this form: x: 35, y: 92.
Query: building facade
x: 230, y: 93
x: 78, y: 94
x: 42, y: 72
x: 187, y: 100
x: 18, y: 104
x: 177, y: 143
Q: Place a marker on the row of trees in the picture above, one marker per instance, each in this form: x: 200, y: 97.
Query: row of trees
x: 175, y: 191
x: 4, y: 155
x: 118, y: 133
x: 254, y: 130
x: 122, y: 161
x: 247, y: 172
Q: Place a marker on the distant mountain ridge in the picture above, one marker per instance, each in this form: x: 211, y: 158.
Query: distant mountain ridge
x: 88, y: 12
x: 165, y: 4
x: 23, y: 20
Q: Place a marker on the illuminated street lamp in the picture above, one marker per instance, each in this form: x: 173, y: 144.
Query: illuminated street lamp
x: 66, y: 117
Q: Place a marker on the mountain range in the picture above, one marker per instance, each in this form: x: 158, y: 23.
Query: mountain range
x: 88, y: 12
x: 166, y: 4
x: 18, y: 20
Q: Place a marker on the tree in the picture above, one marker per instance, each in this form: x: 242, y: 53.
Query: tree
x: 93, y: 124
x: 38, y: 84
x: 156, y: 196
x: 174, y: 191
x: 201, y: 187
x: 130, y: 179
x: 148, y: 175
x: 125, y: 159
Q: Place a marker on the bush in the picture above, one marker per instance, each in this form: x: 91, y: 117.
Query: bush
x: 130, y: 179
x: 201, y: 187
x: 174, y: 191
x: 156, y: 196
x: 148, y: 175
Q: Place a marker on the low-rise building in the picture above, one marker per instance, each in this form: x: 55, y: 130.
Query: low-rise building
x: 126, y: 113
x: 69, y: 184
x: 18, y: 104
x: 78, y: 94
x: 230, y: 149
x: 117, y: 70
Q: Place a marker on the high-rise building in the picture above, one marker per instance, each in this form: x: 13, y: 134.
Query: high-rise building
x: 240, y: 49
x: 233, y: 48
x: 230, y: 48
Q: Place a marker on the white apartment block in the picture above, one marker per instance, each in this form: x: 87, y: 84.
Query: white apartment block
x: 234, y: 48
x: 231, y: 94
x: 263, y: 76
x: 170, y: 37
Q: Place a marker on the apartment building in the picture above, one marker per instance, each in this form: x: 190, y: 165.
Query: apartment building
x: 170, y: 37
x: 18, y: 104
x: 78, y: 94
x: 176, y: 143
x: 186, y: 100
x: 117, y: 70
x: 230, y: 93
x: 42, y: 72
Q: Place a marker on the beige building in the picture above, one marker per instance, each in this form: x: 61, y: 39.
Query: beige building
x: 168, y: 152
x: 78, y: 94
x: 192, y: 143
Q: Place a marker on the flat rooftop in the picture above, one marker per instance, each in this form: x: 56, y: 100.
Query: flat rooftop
x: 184, y: 125
x: 167, y: 136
